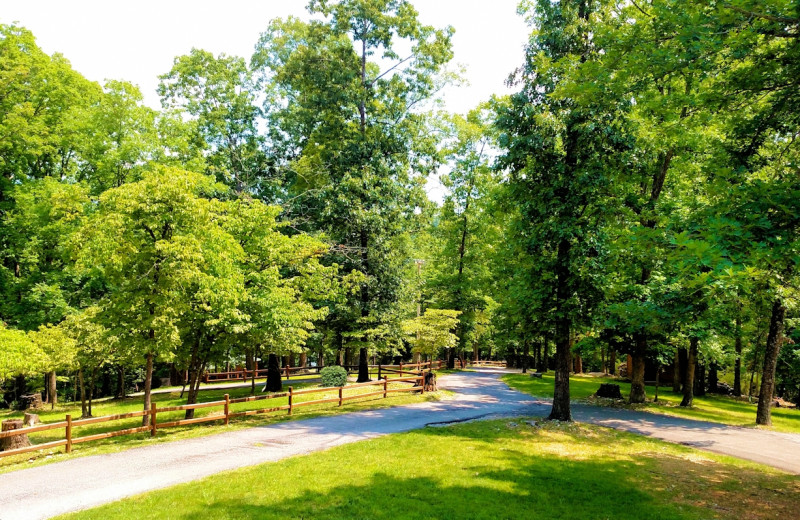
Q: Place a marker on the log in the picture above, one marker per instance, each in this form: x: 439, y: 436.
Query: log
x: 430, y: 382
x: 31, y: 419
x: 17, y: 441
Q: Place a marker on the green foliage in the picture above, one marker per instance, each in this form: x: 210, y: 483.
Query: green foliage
x: 333, y: 376
x: 18, y: 354
x: 433, y: 331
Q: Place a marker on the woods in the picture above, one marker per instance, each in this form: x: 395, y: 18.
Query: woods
x: 635, y: 199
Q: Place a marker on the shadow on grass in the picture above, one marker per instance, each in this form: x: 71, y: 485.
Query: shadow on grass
x: 537, y: 489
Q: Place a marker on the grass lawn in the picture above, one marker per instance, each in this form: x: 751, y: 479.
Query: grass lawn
x: 501, y: 469
x: 117, y: 406
x: 712, y: 408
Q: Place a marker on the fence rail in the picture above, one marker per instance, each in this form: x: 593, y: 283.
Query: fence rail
x: 224, y: 414
x: 288, y: 372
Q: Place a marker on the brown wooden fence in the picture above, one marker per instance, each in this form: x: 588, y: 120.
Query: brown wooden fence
x: 287, y: 372
x: 224, y: 414
x: 487, y: 363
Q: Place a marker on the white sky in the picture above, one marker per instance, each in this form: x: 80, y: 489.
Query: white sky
x: 137, y: 40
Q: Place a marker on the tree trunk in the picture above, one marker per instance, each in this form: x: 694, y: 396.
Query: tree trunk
x: 363, y: 366
x: 613, y: 362
x: 561, y: 406
x: 688, y: 383
x: 120, y: 393
x: 638, y: 392
x: 578, y: 364
x: 525, y: 358
x: 713, y: 378
x: 303, y: 359
x: 700, y: 380
x: 148, y: 386
x: 274, y: 383
x: 676, y: 372
x: 737, y: 366
x: 82, y: 385
x: 52, y: 391
x: 658, y: 380
x: 320, y: 359
x: 683, y: 362
x: 195, y: 376
x: 774, y: 340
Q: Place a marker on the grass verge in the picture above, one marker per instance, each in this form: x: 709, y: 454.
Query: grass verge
x: 483, y: 470
x: 713, y: 408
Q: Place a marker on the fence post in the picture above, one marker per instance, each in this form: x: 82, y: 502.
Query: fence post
x: 401, y: 369
x: 153, y: 426
x: 340, y: 396
x: 227, y: 408
x: 385, y: 386
x: 68, y: 434
x: 287, y: 372
x: 379, y: 371
x: 422, y: 383
x: 290, y: 400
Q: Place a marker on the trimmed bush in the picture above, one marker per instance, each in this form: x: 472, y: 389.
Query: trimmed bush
x: 333, y: 376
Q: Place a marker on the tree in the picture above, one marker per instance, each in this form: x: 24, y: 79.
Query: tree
x: 151, y: 241
x: 557, y: 153
x: 219, y: 94
x: 432, y: 332
x: 343, y: 103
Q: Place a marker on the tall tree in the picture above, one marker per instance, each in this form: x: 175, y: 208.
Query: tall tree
x: 344, y: 103
x: 557, y: 154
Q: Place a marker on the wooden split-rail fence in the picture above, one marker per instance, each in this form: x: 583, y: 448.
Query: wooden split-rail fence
x: 288, y: 372
x: 224, y: 414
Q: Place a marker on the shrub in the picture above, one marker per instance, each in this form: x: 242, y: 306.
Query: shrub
x: 333, y: 376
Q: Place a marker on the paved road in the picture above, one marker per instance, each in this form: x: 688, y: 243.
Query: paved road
x: 85, y: 482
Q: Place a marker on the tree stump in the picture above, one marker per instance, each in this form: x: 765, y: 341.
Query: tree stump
x: 26, y: 402
x: 17, y: 441
x: 430, y: 382
x: 537, y: 375
x: 609, y: 390
x: 31, y: 419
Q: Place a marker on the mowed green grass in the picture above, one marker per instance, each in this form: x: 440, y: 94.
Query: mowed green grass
x: 502, y: 469
x: 712, y: 408
x: 120, y: 406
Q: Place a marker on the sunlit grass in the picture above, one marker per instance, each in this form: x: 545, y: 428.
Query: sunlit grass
x: 507, y: 469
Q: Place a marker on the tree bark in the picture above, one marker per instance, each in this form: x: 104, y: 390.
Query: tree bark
x: 148, y: 386
x: 274, y: 383
x: 700, y: 380
x: 561, y: 406
x: 363, y: 366
x: 688, y: 383
x: 120, y: 393
x: 737, y: 366
x: 676, y: 372
x: 713, y: 378
x: 52, y: 391
x: 613, y: 362
x: 638, y: 393
x: 774, y: 341
x: 82, y: 385
x: 525, y: 358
